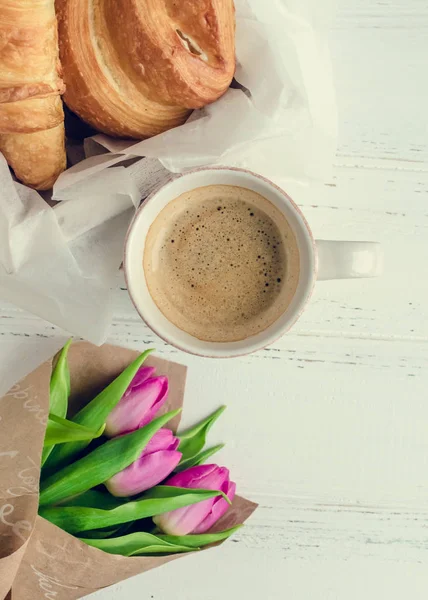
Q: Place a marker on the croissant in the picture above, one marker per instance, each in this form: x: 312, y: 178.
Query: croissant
x: 135, y: 68
x: 31, y: 113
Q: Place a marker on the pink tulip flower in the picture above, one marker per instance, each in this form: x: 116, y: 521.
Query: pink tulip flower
x: 200, y: 517
x: 158, y: 459
x: 139, y: 404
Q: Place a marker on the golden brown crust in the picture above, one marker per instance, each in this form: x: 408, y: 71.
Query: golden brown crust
x: 22, y: 92
x: 35, y: 157
x: 31, y: 114
x: 135, y: 68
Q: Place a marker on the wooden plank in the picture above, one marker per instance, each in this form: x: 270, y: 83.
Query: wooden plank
x: 234, y: 571
x: 379, y: 54
x: 382, y: 205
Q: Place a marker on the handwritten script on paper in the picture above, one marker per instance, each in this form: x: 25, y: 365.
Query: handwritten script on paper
x: 29, y: 477
x: 47, y: 584
x: 20, y: 527
x: 29, y: 404
x: 10, y: 453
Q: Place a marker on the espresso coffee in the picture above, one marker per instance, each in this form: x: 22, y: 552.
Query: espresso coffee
x: 221, y: 262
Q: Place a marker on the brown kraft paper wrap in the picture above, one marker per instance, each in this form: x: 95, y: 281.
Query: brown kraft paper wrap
x: 37, y: 559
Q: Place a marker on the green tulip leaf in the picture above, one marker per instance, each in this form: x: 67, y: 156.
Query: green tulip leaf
x: 59, y: 392
x: 95, y: 499
x: 74, y: 519
x: 169, y: 491
x: 95, y: 413
x: 137, y: 544
x: 60, y: 431
x: 108, y: 532
x: 100, y: 464
x: 200, y: 539
x: 198, y: 459
x: 193, y: 440
x: 101, y: 534
x: 141, y: 543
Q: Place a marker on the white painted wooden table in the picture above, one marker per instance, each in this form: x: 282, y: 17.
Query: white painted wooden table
x: 328, y: 429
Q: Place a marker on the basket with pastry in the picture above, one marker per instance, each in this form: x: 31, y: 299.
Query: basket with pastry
x: 128, y: 68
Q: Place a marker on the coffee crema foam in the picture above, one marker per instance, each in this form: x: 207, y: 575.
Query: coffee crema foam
x: 221, y: 262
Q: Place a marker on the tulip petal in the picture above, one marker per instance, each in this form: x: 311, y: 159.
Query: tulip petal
x: 183, y: 520
x: 138, y: 407
x: 210, y: 477
x: 219, y: 508
x: 141, y: 375
x: 163, y: 439
x: 159, y: 402
x: 143, y: 474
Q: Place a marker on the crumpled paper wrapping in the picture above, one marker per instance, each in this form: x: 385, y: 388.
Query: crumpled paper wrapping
x: 279, y: 120
x: 37, y: 559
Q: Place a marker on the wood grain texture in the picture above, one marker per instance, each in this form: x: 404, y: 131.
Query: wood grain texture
x: 327, y: 429
x: 379, y: 52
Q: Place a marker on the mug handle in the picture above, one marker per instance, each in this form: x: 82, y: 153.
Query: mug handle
x: 345, y: 260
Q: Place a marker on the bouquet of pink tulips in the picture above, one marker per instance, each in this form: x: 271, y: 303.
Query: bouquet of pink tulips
x: 117, y: 478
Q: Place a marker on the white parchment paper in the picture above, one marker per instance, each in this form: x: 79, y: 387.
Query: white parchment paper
x: 60, y: 263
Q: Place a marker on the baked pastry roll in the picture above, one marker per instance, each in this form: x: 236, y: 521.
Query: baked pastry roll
x: 31, y: 113
x: 135, y: 68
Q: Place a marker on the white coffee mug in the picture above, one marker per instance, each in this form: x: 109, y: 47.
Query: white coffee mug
x: 319, y: 259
